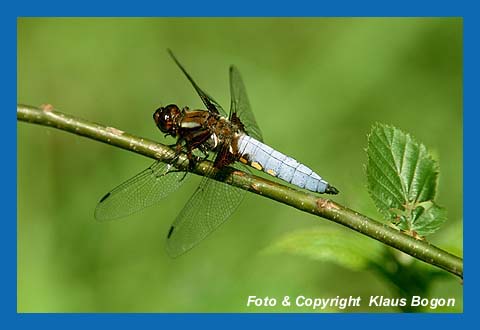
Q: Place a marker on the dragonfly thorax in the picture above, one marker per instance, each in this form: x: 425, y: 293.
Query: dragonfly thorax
x: 196, y: 129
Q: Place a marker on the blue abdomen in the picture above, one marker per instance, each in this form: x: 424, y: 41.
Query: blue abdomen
x: 266, y: 159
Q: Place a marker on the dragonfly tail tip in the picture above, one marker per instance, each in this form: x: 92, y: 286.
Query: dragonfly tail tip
x: 331, y: 190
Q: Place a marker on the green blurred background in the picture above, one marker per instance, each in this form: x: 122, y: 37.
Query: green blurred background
x: 316, y: 86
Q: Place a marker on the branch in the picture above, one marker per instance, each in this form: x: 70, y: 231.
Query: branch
x: 301, y: 200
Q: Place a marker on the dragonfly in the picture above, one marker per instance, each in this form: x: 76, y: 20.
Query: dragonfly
x: 230, y: 140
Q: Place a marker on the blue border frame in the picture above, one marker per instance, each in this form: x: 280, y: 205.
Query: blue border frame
x: 220, y: 8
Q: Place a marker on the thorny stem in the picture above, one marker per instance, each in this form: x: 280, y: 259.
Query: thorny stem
x: 302, y: 200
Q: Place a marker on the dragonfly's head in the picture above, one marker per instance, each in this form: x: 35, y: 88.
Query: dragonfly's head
x: 166, y: 119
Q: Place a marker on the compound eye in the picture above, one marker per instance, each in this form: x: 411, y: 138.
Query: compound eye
x: 163, y: 118
x: 157, y: 115
x: 165, y: 123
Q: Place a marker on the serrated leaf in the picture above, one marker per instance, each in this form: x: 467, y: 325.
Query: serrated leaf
x: 429, y: 219
x: 402, y: 179
x: 347, y: 249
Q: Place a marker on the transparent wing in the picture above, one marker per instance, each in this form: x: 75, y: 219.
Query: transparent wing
x: 141, y: 191
x: 210, y: 206
x: 241, y: 106
x: 209, y: 102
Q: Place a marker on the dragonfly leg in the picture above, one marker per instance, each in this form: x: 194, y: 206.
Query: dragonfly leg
x: 204, y: 151
x: 174, y: 160
x: 184, y: 175
x: 192, y: 159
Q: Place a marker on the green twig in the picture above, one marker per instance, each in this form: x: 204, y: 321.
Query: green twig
x: 302, y: 200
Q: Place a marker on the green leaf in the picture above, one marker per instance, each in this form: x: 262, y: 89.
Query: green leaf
x: 402, y: 179
x: 430, y: 217
x: 345, y: 248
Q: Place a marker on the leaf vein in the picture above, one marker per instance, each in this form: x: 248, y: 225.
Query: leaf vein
x: 383, y: 171
x: 389, y: 147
